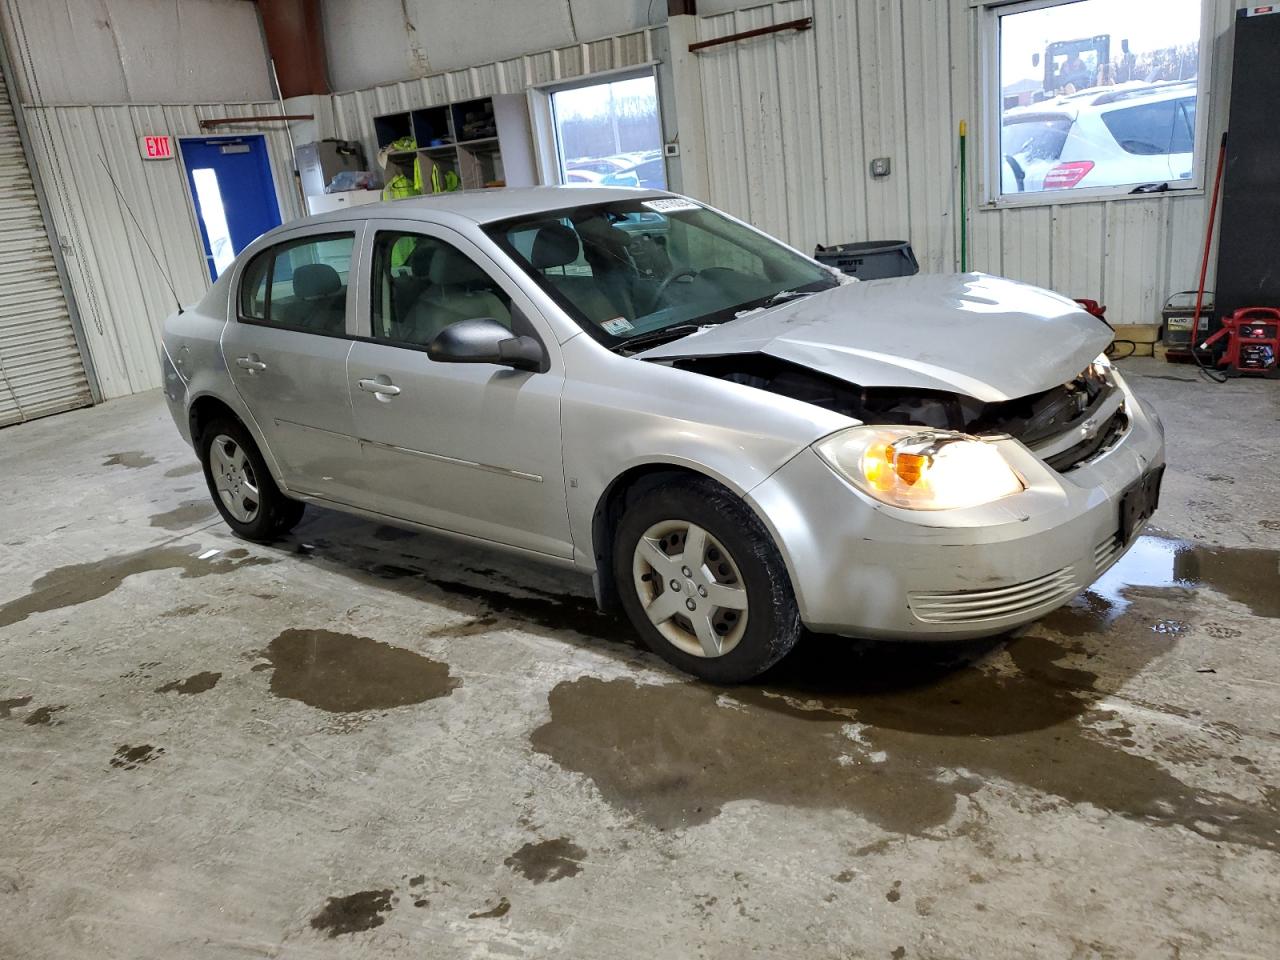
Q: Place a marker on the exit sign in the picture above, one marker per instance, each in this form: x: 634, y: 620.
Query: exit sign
x: 156, y: 147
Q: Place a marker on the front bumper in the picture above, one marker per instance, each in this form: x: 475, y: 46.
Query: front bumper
x: 862, y: 568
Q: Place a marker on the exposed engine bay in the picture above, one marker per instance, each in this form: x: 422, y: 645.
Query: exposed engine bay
x: 1033, y: 419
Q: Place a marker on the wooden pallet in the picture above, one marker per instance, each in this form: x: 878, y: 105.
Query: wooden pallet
x: 1161, y: 352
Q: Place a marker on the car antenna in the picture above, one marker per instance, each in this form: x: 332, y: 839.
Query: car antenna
x: 146, y: 243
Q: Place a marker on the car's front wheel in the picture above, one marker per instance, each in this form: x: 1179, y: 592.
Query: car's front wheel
x: 703, y: 583
x: 241, y: 485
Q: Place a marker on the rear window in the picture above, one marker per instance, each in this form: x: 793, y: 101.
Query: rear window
x: 1151, y: 129
x: 300, y: 285
x: 1035, y: 138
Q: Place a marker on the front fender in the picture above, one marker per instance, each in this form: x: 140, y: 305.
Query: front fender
x: 620, y: 413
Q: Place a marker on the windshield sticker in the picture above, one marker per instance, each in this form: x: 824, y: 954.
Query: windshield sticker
x: 670, y: 205
x: 617, y: 326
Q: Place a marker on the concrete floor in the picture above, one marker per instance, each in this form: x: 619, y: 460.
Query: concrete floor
x: 378, y: 743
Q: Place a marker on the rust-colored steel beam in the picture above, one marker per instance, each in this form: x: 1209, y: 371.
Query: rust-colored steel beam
x: 295, y: 41
x: 226, y: 121
x: 804, y: 23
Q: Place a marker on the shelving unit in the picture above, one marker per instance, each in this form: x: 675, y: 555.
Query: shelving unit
x: 465, y: 137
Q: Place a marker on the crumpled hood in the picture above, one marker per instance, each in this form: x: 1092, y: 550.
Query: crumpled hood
x: 989, y: 338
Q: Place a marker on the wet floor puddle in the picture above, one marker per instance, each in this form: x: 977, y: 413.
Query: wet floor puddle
x: 545, y: 861
x: 899, y: 732
x: 353, y: 913
x: 198, y: 683
x: 343, y: 673
x: 130, y: 459
x: 81, y: 582
x: 1159, y: 567
x: 184, y: 515
x: 132, y: 757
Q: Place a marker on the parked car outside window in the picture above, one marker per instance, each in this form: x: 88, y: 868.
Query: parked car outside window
x: 1136, y: 135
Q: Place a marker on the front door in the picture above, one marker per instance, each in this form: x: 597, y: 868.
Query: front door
x: 287, y: 351
x: 233, y: 192
x: 472, y: 448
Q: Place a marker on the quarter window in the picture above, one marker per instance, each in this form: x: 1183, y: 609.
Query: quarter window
x: 253, y: 288
x: 422, y: 285
x: 300, y: 285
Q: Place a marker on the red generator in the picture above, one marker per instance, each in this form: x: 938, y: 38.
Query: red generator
x: 1254, y: 341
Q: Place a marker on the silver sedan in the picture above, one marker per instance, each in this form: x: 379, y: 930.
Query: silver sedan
x: 734, y: 441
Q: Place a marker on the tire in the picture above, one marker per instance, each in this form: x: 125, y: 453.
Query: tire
x: 721, y: 644
x: 238, y: 479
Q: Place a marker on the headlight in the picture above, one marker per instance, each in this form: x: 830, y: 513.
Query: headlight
x: 1101, y: 368
x: 920, y: 469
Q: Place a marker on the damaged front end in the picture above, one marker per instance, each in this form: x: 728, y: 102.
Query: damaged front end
x: 1066, y: 426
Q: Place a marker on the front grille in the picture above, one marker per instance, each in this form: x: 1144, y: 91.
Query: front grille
x: 963, y: 606
x: 1108, y: 433
x: 1105, y: 553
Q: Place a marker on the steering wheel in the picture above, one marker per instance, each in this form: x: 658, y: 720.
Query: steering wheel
x: 675, y: 274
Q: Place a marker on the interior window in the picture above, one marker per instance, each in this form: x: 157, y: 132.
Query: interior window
x: 422, y: 285
x: 1091, y: 94
x: 301, y: 285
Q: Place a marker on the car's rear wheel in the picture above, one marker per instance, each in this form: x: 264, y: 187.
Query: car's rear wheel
x: 241, y: 485
x: 703, y: 583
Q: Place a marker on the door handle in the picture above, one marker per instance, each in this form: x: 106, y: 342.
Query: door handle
x: 378, y: 388
x: 250, y: 363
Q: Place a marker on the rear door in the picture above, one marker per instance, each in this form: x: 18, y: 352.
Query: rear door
x: 287, y: 352
x: 474, y: 448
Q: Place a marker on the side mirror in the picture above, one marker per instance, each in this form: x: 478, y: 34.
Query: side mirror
x: 484, y: 340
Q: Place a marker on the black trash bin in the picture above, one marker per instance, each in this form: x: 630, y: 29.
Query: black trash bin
x: 871, y: 259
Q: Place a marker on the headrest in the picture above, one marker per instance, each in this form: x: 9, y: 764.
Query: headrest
x: 554, y: 245
x: 419, y: 261
x: 448, y: 266
x: 313, y: 280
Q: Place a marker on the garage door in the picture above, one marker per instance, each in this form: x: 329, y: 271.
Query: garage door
x: 40, y: 367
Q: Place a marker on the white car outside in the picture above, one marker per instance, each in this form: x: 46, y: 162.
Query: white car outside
x: 1104, y: 137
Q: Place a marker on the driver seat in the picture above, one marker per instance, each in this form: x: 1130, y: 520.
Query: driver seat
x: 555, y: 245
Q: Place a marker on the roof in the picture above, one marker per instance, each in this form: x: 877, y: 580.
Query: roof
x: 487, y: 205
x: 1067, y: 105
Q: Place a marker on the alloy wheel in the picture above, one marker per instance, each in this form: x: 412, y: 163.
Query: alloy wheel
x: 690, y: 588
x: 234, y: 479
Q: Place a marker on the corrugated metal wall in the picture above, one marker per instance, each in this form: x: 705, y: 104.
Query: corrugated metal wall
x: 353, y: 113
x: 791, y: 121
x: 794, y: 119
x: 120, y: 291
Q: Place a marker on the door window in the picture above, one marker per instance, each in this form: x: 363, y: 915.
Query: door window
x: 422, y: 285
x: 300, y: 285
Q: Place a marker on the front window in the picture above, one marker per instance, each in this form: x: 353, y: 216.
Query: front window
x: 1096, y: 96
x: 634, y: 268
x: 422, y: 285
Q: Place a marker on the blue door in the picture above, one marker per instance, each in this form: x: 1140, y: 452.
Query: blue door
x: 234, y: 194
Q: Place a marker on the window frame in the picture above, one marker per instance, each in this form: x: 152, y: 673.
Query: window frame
x: 318, y: 233
x: 526, y: 316
x: 546, y: 132
x: 375, y: 282
x: 990, y: 114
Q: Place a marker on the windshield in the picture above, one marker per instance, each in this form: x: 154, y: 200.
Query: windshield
x: 632, y: 268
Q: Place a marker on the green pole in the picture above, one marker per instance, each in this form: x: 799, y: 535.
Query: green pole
x: 964, y: 205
